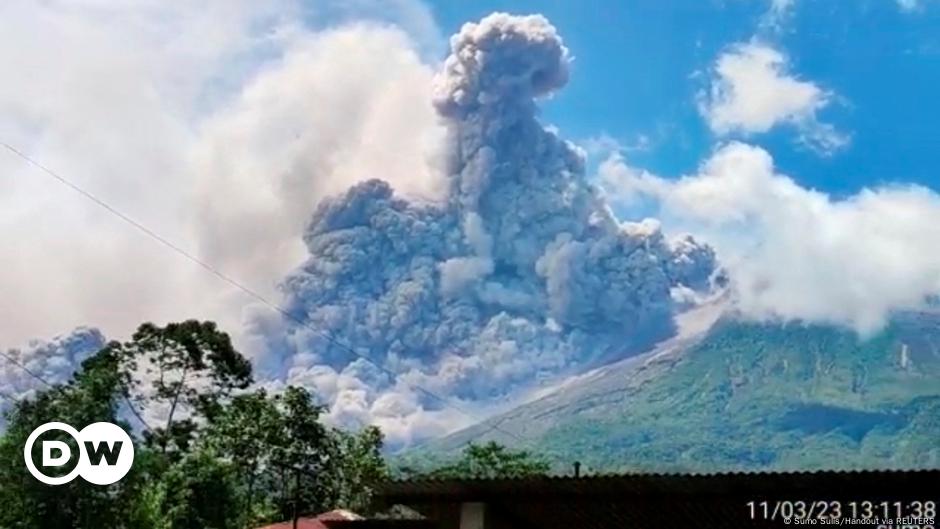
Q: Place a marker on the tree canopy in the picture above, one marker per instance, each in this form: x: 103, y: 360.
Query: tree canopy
x: 222, y: 456
x: 491, y: 461
x: 217, y: 454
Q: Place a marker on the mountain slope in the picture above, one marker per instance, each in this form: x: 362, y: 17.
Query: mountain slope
x: 742, y: 396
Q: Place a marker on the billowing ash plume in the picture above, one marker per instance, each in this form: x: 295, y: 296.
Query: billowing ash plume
x: 53, y: 361
x: 522, y: 273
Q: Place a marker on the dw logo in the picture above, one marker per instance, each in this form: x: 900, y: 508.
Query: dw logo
x: 106, y: 453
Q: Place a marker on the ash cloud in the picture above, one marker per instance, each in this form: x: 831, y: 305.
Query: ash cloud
x: 52, y: 360
x: 520, y: 273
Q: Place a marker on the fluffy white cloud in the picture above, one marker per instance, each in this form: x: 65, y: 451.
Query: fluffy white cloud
x: 796, y: 253
x: 751, y: 91
x: 217, y: 124
x: 339, y: 107
x: 357, y: 395
x: 221, y: 125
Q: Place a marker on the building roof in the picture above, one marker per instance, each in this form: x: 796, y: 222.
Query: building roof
x: 717, y: 484
x: 384, y: 524
x: 318, y: 522
x: 657, y: 500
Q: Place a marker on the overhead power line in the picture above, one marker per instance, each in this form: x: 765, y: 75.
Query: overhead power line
x: 231, y: 281
x: 25, y: 369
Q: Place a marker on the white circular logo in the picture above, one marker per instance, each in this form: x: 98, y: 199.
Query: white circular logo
x: 106, y: 453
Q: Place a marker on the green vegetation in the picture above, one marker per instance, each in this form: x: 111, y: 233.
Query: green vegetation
x: 746, y: 397
x: 762, y: 396
x: 226, y: 457
x: 486, y: 461
x: 234, y: 460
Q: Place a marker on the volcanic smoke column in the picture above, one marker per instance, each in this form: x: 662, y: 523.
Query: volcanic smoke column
x: 53, y: 361
x: 522, y: 273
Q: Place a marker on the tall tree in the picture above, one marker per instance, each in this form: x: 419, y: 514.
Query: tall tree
x: 248, y: 432
x: 307, y: 450
x: 287, y: 459
x: 185, y: 369
x: 362, y: 465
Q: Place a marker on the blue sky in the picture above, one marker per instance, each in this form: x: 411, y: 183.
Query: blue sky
x: 635, y: 74
x: 221, y: 125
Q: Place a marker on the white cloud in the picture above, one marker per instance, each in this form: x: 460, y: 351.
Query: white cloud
x: 339, y: 107
x: 627, y: 185
x: 603, y: 144
x: 796, y: 253
x: 780, y: 6
x: 751, y: 91
x: 217, y: 124
x: 777, y: 14
x: 908, y: 6
x: 395, y: 408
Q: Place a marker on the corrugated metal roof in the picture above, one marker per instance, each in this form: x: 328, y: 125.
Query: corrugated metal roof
x: 657, y: 500
x: 707, y: 484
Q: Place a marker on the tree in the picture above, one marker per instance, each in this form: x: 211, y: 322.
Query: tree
x: 492, y: 461
x: 246, y: 432
x: 186, y: 368
x: 200, y: 491
x: 25, y: 503
x: 363, y: 466
x: 307, y: 453
x: 283, y: 454
x: 222, y: 459
x: 288, y: 459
